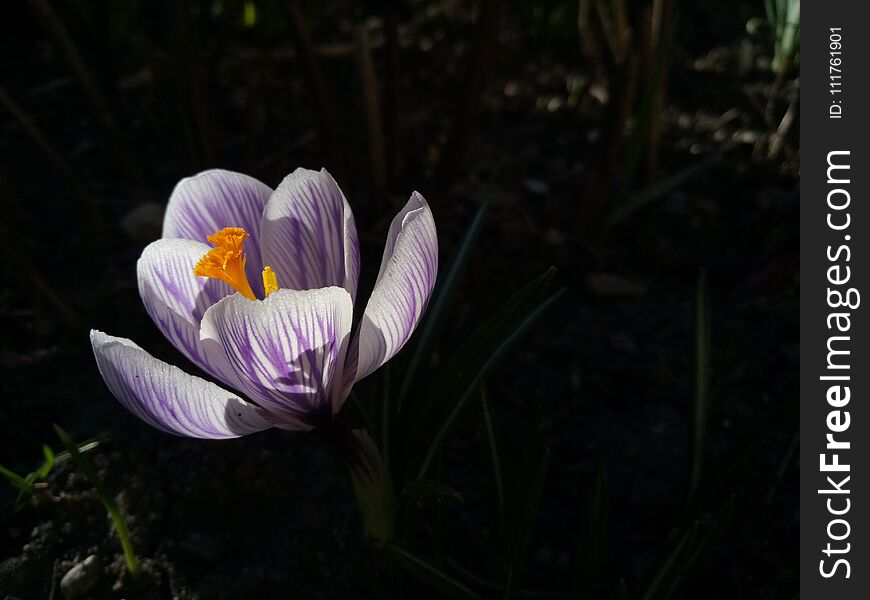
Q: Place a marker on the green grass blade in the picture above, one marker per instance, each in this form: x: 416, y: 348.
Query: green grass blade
x: 672, y: 564
x: 420, y: 491
x: 85, y: 466
x: 532, y: 484
x: 429, y: 574
x: 701, y: 399
x: 470, y: 364
x: 620, y: 590
x: 495, y: 459
x: 714, y: 534
x: 787, y: 458
x: 437, y: 311
x: 592, y: 538
x: 50, y: 460
x: 625, y: 209
x: 456, y: 369
x: 15, y: 479
x: 387, y: 415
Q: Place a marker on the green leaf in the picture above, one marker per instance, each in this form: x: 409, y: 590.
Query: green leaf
x: 626, y: 208
x: 492, y: 444
x: 43, y: 471
x: 528, y: 489
x: 476, y: 356
x: 787, y: 458
x: 592, y: 537
x: 15, y: 479
x: 387, y: 415
x: 436, y: 578
x: 422, y: 491
x: 672, y: 565
x: 433, y: 325
x: 85, y: 466
x: 620, y: 590
x: 714, y: 534
x: 701, y: 400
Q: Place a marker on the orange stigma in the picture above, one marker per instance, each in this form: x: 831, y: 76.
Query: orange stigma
x: 226, y: 261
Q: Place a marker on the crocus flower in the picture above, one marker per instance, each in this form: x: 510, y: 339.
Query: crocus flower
x: 266, y: 309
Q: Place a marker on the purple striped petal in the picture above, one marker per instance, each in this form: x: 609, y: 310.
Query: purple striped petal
x: 408, y: 271
x: 309, y: 235
x: 169, y: 399
x: 176, y: 300
x: 287, y: 350
x: 207, y: 202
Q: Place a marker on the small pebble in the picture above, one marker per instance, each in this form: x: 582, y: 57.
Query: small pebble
x: 607, y: 284
x: 536, y: 186
x: 554, y: 237
x: 79, y: 580
x: 143, y: 223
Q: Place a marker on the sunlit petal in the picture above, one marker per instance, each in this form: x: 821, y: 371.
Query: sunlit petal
x: 169, y: 399
x: 308, y: 234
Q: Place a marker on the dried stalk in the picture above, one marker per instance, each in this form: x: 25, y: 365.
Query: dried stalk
x: 54, y: 27
x: 31, y: 273
x: 471, y: 100
x: 392, y: 98
x: 53, y: 156
x: 320, y: 105
x: 193, y: 81
x: 372, y: 107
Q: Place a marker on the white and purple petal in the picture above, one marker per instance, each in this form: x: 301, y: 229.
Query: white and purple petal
x: 308, y: 234
x: 169, y: 399
x: 176, y: 300
x: 288, y: 350
x: 212, y: 200
x: 407, y: 275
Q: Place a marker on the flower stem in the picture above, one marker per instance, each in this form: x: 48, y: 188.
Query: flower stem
x: 371, y: 480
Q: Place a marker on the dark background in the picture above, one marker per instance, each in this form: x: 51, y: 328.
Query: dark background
x: 463, y: 101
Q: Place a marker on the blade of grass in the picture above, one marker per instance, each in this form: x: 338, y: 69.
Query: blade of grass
x: 50, y: 460
x: 620, y: 590
x: 85, y: 466
x: 492, y: 444
x: 714, y: 534
x: 491, y: 344
x: 625, y: 209
x: 466, y: 358
x: 423, y: 490
x: 15, y: 479
x: 386, y: 412
x: 701, y: 400
x: 534, y: 486
x: 703, y: 549
x: 436, y: 578
x: 672, y: 562
x: 437, y: 311
x: 593, y: 537
x: 787, y: 458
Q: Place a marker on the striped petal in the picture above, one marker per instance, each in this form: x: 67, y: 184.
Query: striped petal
x: 408, y: 271
x: 205, y: 203
x: 169, y: 399
x: 176, y: 300
x: 287, y: 350
x: 309, y: 235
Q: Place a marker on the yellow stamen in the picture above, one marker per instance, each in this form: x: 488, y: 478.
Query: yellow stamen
x: 270, y: 280
x: 226, y: 261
